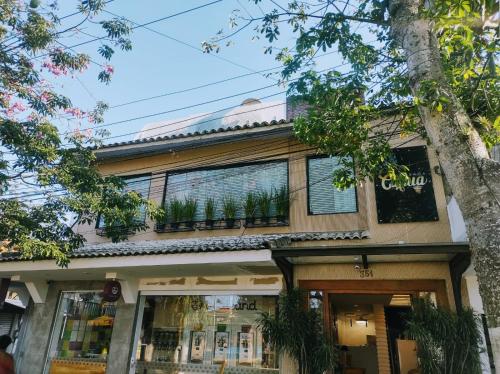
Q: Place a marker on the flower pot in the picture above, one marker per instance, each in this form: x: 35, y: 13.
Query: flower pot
x: 249, y: 220
x: 230, y: 222
x: 209, y: 223
x: 190, y: 224
x: 174, y: 225
x: 264, y: 220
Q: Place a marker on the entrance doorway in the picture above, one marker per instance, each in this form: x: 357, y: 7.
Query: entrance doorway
x: 369, y: 332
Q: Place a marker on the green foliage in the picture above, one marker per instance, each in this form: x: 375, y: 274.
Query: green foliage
x: 210, y: 208
x: 49, y: 181
x: 250, y: 205
x: 447, y: 342
x: 298, y: 332
x: 264, y: 201
x: 282, y: 200
x: 355, y: 113
x: 190, y: 208
x: 177, y: 212
x: 229, y: 207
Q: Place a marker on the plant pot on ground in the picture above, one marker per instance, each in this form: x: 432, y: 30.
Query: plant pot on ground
x: 176, y: 213
x: 190, y: 208
x: 250, y: 208
x: 264, y: 202
x: 229, y: 207
x: 282, y: 201
x: 209, y: 212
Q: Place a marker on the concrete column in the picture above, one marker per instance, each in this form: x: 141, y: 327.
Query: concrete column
x: 121, y: 339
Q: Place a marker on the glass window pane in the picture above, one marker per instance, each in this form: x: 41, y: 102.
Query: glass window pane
x: 324, y: 198
x: 82, y: 330
x: 183, y: 332
x: 235, y: 181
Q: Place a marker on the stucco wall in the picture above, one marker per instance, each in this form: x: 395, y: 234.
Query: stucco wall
x: 281, y: 148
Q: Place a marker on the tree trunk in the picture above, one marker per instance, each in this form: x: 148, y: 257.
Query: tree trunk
x: 474, y: 178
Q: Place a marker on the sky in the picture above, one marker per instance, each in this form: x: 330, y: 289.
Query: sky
x: 158, y: 65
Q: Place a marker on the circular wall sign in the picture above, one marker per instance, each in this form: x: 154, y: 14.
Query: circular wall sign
x: 112, y: 291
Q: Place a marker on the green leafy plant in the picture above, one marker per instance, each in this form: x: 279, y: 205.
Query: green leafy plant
x: 298, y: 332
x: 282, y: 201
x: 209, y: 210
x: 189, y: 210
x: 229, y: 207
x: 447, y: 342
x: 250, y: 207
x: 264, y: 202
x: 176, y: 212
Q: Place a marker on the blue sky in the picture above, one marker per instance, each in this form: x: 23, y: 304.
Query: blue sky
x: 157, y: 65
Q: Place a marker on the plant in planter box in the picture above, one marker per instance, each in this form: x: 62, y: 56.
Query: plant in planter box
x: 190, y: 208
x: 282, y: 201
x: 176, y: 213
x: 230, y: 207
x: 250, y: 207
x: 209, y: 211
x: 264, y: 201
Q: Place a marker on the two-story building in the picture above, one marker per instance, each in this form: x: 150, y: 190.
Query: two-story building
x: 250, y: 212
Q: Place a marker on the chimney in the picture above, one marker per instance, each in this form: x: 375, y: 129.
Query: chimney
x: 295, y: 106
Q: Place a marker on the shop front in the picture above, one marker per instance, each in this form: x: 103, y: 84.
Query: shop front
x: 199, y: 333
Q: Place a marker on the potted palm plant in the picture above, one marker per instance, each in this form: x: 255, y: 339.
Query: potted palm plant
x: 190, y: 208
x: 250, y: 207
x: 176, y: 213
x: 162, y: 217
x: 298, y: 331
x: 282, y: 201
x: 229, y: 207
x: 264, y: 202
x: 209, y: 212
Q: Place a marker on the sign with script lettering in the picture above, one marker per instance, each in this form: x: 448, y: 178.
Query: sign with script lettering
x: 413, y: 202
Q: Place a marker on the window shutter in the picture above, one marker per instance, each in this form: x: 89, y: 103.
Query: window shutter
x: 324, y: 197
x: 234, y: 181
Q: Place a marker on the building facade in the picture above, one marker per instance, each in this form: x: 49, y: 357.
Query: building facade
x: 251, y: 211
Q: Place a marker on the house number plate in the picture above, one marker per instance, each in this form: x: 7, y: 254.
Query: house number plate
x: 366, y: 273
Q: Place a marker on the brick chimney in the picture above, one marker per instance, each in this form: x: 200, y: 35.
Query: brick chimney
x: 295, y: 106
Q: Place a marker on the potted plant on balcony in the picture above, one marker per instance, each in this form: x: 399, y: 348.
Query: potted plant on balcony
x: 176, y: 213
x: 264, y: 202
x: 190, y: 208
x: 229, y: 207
x: 250, y: 207
x: 282, y: 201
x: 209, y: 212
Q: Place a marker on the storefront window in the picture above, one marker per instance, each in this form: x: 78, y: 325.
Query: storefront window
x: 82, y: 332
x: 183, y: 332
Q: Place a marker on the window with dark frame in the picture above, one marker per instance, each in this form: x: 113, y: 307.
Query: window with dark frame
x: 323, y: 197
x: 219, y: 182
x: 140, y: 184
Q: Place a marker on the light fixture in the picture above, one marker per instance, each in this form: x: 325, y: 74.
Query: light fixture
x: 362, y: 321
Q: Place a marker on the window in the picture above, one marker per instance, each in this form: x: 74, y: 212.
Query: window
x: 139, y: 184
x: 234, y: 181
x: 323, y: 197
x: 82, y: 330
x: 192, y: 332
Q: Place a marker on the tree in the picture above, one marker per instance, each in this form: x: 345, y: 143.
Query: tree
x: 431, y: 70
x: 49, y: 182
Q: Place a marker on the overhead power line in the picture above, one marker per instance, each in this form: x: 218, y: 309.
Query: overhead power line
x: 143, y: 24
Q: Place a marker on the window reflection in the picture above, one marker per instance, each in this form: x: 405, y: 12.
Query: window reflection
x: 178, y: 331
